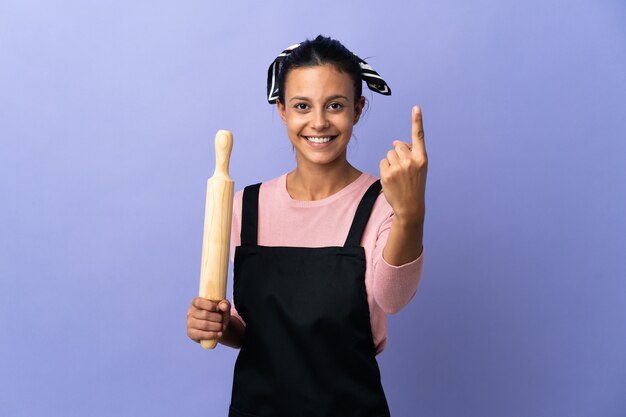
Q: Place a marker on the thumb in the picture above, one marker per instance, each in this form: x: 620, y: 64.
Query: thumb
x: 224, y: 306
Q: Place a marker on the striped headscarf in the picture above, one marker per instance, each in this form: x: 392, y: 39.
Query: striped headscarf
x: 373, y: 80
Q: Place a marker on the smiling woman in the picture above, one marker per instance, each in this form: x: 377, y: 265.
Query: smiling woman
x: 320, y: 112
x: 322, y: 253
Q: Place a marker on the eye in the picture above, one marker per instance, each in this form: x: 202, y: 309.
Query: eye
x: 335, y: 106
x: 301, y: 106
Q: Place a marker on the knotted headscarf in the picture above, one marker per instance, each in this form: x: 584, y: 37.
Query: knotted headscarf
x: 373, y: 80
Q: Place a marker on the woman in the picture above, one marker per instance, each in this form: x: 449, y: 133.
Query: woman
x: 321, y: 254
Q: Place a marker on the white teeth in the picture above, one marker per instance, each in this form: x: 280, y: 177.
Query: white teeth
x: 318, y: 140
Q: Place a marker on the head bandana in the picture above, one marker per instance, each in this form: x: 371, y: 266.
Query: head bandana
x: 373, y: 80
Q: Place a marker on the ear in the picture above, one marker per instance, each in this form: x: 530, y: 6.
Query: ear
x: 358, y: 109
x: 281, y: 110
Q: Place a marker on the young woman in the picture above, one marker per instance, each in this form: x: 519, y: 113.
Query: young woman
x: 321, y: 254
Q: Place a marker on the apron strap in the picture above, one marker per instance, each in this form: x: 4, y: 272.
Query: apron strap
x: 363, y: 214
x: 250, y: 215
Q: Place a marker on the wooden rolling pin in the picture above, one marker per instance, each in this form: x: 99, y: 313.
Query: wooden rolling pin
x: 217, y: 223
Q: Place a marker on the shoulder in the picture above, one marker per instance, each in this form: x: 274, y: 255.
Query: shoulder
x: 381, y: 213
x: 361, y: 185
x: 368, y: 180
x: 271, y: 186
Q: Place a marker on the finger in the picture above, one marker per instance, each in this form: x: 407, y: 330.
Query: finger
x: 398, y: 143
x: 198, y: 335
x: 204, y: 304
x: 403, y: 149
x: 418, y: 131
x: 224, y: 306
x: 204, y: 325
x: 392, y: 157
x: 384, y: 166
x: 207, y: 316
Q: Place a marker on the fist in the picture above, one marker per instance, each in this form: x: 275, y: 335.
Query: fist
x: 403, y: 173
x: 206, y: 319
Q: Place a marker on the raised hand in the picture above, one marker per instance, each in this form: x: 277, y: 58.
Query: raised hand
x: 403, y: 175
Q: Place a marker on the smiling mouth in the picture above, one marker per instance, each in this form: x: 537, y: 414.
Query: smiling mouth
x: 319, y: 139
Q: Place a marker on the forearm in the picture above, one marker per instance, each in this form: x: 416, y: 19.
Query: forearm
x: 404, y: 243
x: 234, y: 333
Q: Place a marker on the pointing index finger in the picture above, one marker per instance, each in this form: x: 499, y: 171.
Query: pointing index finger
x: 418, y: 130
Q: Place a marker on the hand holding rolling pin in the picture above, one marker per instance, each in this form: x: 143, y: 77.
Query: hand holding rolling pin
x: 209, y: 313
x: 207, y: 320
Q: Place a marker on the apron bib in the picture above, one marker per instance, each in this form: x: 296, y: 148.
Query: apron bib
x: 308, y: 349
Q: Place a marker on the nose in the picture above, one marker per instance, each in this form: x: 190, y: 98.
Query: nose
x: 320, y: 121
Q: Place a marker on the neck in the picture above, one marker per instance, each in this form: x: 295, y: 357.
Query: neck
x: 315, y: 182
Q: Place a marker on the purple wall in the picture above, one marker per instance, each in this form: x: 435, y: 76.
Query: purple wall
x: 107, y: 116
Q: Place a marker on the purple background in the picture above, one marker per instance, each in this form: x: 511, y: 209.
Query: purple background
x: 107, y: 115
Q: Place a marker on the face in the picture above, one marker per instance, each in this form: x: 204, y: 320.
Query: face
x: 320, y: 112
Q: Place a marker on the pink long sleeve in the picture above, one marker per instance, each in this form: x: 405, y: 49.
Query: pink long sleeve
x: 287, y: 222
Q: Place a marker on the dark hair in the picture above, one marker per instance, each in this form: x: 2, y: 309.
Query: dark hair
x: 320, y: 51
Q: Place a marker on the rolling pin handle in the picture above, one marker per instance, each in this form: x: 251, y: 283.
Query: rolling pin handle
x: 223, y: 148
x: 208, y: 344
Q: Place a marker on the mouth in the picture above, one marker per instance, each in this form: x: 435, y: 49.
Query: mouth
x: 319, y: 139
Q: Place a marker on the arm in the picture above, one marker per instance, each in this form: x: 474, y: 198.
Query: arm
x: 404, y: 243
x: 393, y: 286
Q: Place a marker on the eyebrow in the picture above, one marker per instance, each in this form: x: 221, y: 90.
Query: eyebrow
x: 336, y: 96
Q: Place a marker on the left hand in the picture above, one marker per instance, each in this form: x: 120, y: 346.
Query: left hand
x: 403, y: 174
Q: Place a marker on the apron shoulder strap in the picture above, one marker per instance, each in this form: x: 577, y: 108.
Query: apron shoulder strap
x: 250, y: 215
x: 362, y: 215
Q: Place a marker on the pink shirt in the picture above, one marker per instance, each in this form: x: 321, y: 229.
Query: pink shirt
x: 284, y: 221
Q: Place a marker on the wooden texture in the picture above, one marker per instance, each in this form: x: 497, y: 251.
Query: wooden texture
x: 217, y: 225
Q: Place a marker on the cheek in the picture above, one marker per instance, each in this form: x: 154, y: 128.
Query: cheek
x: 346, y: 122
x: 294, y: 120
